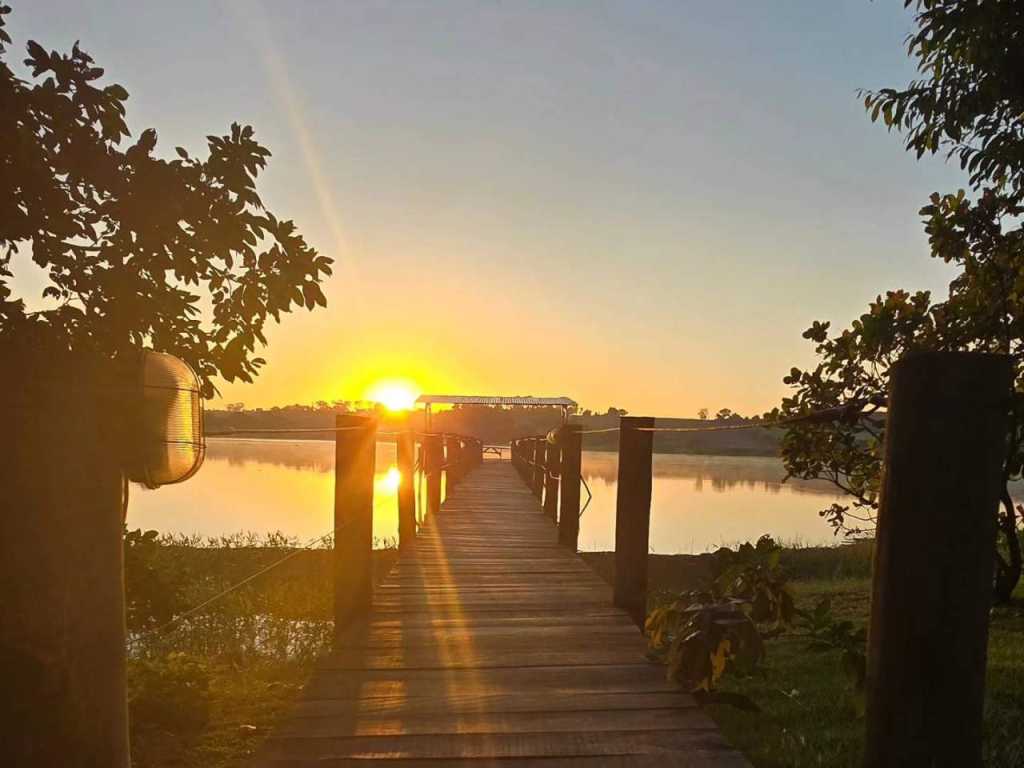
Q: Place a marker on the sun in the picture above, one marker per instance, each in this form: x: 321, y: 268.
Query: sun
x: 394, y: 395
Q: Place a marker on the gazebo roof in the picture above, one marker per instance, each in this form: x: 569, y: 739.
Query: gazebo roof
x: 563, y: 402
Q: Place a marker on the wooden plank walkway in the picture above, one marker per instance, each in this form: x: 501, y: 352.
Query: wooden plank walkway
x: 494, y: 644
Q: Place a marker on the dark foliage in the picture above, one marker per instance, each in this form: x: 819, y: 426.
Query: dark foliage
x: 702, y: 633
x: 968, y: 102
x: 970, y: 97
x: 178, y: 255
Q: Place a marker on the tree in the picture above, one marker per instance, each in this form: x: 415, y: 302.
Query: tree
x: 968, y: 104
x: 702, y: 414
x: 969, y: 100
x: 177, y: 255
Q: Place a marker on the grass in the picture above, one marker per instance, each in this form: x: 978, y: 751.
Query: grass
x: 809, y: 715
x: 220, y: 722
x: 207, y: 691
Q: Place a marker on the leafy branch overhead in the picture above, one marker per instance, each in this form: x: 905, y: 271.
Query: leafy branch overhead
x: 179, y: 255
x: 968, y: 102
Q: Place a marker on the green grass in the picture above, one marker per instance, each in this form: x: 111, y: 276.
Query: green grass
x: 809, y: 715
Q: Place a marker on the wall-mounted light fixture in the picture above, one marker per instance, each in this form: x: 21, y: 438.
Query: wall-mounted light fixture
x: 166, y: 442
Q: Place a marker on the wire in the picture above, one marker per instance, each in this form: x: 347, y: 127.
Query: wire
x: 590, y: 496
x: 223, y: 593
x: 297, y: 430
x: 825, y: 414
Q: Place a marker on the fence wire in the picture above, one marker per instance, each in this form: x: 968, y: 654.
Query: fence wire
x: 292, y: 430
x: 835, y: 413
x: 171, y: 624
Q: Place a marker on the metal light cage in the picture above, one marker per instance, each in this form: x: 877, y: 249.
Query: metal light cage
x: 168, y: 422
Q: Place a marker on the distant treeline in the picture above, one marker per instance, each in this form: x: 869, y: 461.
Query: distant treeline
x: 500, y: 425
x: 755, y: 441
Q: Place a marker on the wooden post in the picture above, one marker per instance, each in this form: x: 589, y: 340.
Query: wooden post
x: 537, y: 445
x: 354, y: 461
x: 941, y: 482
x: 406, y: 450
x: 62, y: 621
x: 433, y: 458
x: 551, y: 480
x: 569, y: 498
x: 453, y: 460
x: 633, y: 516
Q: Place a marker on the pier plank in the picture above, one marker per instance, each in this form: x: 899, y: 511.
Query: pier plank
x: 491, y: 643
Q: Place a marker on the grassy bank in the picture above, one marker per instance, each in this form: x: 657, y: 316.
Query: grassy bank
x: 809, y: 715
x: 205, y: 691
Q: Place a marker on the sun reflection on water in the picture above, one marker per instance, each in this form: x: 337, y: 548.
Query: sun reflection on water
x: 389, y: 481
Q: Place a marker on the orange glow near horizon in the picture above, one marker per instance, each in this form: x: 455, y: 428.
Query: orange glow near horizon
x: 394, y: 394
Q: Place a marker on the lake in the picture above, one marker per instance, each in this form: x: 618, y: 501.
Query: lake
x: 699, y: 502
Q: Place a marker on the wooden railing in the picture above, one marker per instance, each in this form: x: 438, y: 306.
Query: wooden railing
x: 550, y: 466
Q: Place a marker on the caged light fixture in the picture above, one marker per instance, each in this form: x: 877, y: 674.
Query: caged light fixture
x: 167, y: 422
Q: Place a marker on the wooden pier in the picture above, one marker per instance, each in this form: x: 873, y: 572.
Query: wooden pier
x: 491, y: 642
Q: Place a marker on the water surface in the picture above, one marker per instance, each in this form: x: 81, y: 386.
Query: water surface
x: 699, y: 502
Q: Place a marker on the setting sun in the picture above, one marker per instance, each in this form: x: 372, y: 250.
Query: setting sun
x: 394, y: 395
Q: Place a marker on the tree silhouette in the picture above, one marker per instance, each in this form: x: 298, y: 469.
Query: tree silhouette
x: 178, y: 255
x: 968, y: 103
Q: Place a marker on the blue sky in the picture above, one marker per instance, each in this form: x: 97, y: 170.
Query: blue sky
x: 639, y: 204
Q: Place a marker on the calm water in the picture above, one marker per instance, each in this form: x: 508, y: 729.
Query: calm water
x: 700, y: 502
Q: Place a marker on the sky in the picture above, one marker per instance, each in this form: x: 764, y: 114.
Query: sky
x: 634, y: 204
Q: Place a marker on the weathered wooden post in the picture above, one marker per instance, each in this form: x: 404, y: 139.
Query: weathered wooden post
x: 406, y: 450
x: 945, y: 444
x: 537, y: 476
x: 355, y: 445
x: 62, y: 621
x: 433, y: 459
x: 569, y: 492
x: 633, y: 515
x: 551, y: 480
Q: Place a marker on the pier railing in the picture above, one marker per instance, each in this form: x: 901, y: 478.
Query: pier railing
x: 551, y: 466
